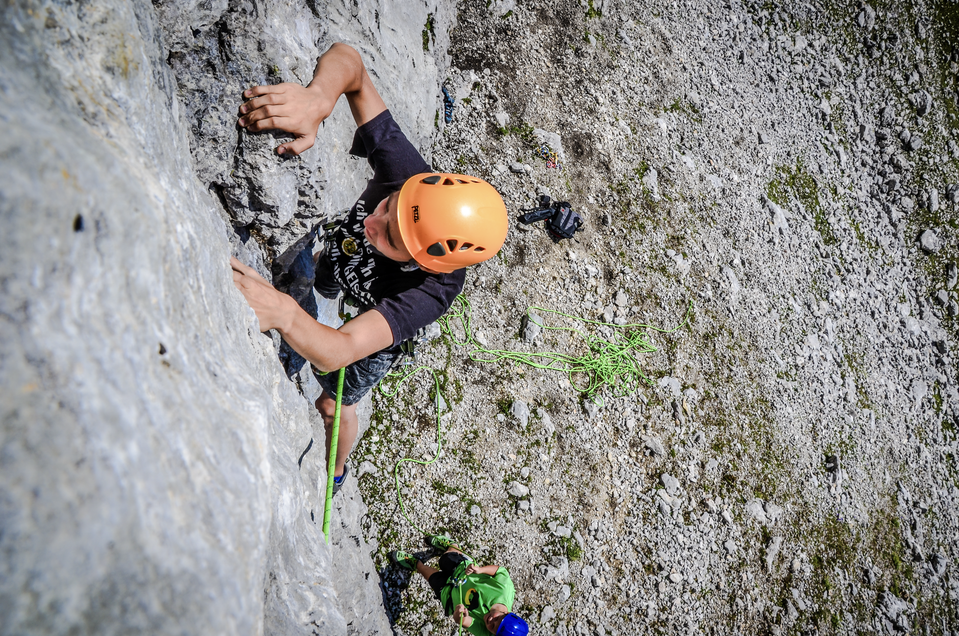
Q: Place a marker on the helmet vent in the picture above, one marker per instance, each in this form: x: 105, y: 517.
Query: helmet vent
x: 448, y: 181
x: 452, y: 244
x: 436, y: 249
x: 465, y: 246
x: 460, y: 181
x: 479, y: 249
x: 432, y: 180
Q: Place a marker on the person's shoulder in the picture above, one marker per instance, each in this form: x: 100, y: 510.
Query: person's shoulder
x: 503, y: 579
x: 393, y: 157
x: 456, y: 278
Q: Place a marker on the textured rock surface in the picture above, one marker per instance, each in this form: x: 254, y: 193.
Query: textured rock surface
x: 159, y: 471
x: 776, y: 165
x: 217, y: 50
x: 150, y: 440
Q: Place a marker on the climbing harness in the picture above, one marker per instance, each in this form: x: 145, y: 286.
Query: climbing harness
x: 459, y: 580
x: 408, y: 347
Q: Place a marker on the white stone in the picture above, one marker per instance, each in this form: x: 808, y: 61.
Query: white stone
x: 517, y: 489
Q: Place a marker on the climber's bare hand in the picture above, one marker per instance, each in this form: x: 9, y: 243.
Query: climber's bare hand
x: 288, y: 107
x: 273, y: 308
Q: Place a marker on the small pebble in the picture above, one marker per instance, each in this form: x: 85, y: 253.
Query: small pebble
x: 655, y: 446
x: 517, y: 489
x: 930, y: 242
x: 670, y: 483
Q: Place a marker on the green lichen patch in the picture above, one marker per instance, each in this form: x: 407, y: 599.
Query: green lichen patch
x: 429, y: 34
x: 795, y: 184
x: 523, y: 130
x: 885, y: 545
x: 592, y: 12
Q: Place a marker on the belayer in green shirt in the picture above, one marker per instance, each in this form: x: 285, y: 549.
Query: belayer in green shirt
x: 481, y: 597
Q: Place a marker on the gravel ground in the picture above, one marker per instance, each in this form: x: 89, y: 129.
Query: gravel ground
x: 785, y: 176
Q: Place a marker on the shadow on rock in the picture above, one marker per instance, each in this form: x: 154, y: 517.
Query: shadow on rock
x: 293, y: 274
x: 393, y: 581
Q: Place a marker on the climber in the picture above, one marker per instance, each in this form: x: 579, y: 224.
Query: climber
x: 481, y: 597
x: 399, y: 254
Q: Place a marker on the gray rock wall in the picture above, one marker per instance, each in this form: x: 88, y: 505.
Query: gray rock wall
x: 152, y: 467
x: 217, y: 50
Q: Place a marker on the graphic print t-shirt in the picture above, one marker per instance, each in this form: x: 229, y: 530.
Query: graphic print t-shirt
x: 406, y: 296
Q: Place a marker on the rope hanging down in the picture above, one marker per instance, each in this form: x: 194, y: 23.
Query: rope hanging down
x: 438, y: 401
x: 459, y: 574
x: 611, y: 363
x: 607, y: 364
x: 331, y: 462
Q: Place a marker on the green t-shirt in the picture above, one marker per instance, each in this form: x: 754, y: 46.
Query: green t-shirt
x: 478, y: 594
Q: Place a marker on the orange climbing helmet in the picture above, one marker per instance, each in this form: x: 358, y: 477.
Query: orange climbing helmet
x: 449, y: 221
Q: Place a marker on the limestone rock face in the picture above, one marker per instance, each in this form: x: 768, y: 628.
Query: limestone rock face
x: 219, y: 49
x: 150, y: 481
x: 155, y: 471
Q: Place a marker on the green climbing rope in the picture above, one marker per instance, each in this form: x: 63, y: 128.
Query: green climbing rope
x: 459, y: 572
x: 608, y: 362
x: 438, y: 400
x: 331, y: 463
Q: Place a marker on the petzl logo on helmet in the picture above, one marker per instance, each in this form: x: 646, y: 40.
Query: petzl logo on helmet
x: 416, y: 213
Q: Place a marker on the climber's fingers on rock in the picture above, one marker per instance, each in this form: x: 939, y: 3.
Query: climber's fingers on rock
x: 296, y: 146
x: 269, y: 123
x: 240, y: 270
x: 268, y: 99
x: 273, y: 89
x: 265, y: 111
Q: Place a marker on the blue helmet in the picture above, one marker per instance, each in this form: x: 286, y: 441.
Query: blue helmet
x: 512, y: 625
